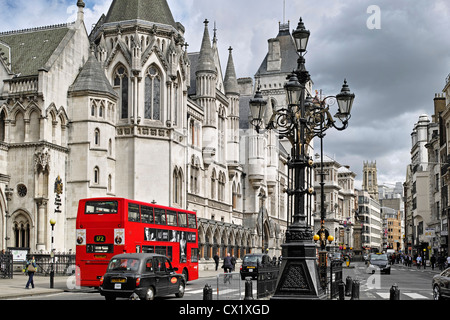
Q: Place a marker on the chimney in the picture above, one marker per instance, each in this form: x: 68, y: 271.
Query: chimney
x: 274, y: 57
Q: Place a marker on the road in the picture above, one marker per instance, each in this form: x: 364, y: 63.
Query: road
x: 413, y: 284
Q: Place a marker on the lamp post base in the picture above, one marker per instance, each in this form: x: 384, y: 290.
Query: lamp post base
x: 299, y: 274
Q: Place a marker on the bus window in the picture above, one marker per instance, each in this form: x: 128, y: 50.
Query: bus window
x: 101, y: 207
x: 171, y: 218
x: 147, y: 214
x: 148, y: 249
x: 194, y: 255
x: 192, y: 221
x: 182, y: 222
x: 133, y: 212
x: 160, y: 216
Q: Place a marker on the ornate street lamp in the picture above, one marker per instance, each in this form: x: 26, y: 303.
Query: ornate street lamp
x: 52, y: 255
x: 299, y: 122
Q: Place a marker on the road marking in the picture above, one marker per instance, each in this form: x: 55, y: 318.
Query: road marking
x: 384, y: 295
x: 415, y: 295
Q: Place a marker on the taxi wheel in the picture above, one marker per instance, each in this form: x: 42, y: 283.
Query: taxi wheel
x: 181, y: 288
x: 150, y: 295
x: 437, y: 293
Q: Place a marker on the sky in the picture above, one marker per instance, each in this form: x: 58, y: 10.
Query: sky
x: 395, y: 55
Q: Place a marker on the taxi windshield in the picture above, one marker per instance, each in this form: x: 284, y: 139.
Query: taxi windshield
x: 123, y: 265
x: 252, y: 259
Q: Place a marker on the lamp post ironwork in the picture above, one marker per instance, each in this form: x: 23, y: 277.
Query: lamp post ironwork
x: 299, y: 122
x: 52, y: 255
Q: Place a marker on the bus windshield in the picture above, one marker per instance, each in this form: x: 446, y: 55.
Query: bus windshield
x: 101, y: 207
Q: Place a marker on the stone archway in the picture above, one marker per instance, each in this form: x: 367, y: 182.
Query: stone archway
x: 21, y: 230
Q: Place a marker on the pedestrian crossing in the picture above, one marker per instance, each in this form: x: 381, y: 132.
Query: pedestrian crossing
x: 403, y: 296
x: 229, y: 292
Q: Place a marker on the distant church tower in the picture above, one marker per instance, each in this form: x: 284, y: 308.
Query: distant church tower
x: 370, y: 182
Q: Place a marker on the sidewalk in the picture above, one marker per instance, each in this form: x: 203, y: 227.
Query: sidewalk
x: 15, y: 288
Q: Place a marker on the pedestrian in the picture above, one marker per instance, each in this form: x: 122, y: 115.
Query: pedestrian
x: 227, y: 265
x: 216, y: 260
x: 418, y: 261
x: 440, y: 262
x: 30, y: 269
x: 233, y: 262
x: 432, y: 261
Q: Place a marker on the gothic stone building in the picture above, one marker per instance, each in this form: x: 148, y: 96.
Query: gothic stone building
x: 126, y: 111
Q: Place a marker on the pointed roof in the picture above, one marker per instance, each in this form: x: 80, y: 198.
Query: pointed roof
x: 157, y: 11
x: 230, y: 82
x: 92, y: 79
x: 206, y: 58
x: 32, y: 49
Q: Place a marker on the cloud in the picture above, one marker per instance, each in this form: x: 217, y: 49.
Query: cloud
x: 394, y: 71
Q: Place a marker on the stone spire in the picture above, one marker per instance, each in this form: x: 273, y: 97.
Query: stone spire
x: 206, y: 59
x: 230, y: 82
x: 157, y: 11
x: 80, y: 14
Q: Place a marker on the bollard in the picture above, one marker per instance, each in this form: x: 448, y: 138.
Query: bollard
x: 341, y: 290
x: 355, y: 290
x: 207, y: 292
x: 248, y: 289
x: 394, y: 293
x: 348, y: 286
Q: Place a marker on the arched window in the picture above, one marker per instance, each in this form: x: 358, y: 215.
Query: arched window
x: 96, y: 175
x: 110, y: 152
x: 110, y: 183
x: 121, y: 81
x: 2, y: 125
x: 97, y: 137
x: 153, y: 94
x: 213, y: 185
x: 221, y: 186
x: 177, y: 186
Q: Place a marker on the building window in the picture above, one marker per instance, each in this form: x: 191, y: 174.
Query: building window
x: 110, y: 183
x: 153, y: 94
x: 22, y: 190
x: 121, y: 81
x: 177, y: 186
x: 96, y: 175
x: 213, y: 185
x: 97, y: 137
x: 221, y: 186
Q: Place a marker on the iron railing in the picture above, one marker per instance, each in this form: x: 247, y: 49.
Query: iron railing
x: 6, y: 265
x: 267, y: 279
x: 63, y: 263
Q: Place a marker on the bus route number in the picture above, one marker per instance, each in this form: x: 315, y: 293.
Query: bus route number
x: 100, y: 239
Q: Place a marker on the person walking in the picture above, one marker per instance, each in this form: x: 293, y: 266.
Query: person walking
x: 227, y: 267
x: 233, y: 263
x: 432, y: 261
x: 418, y: 261
x: 216, y: 260
x: 31, y: 269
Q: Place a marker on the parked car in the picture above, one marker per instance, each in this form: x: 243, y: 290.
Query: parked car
x: 441, y: 285
x: 141, y: 275
x: 250, y: 264
x: 378, y: 262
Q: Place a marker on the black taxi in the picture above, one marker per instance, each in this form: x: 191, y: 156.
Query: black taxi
x: 250, y: 264
x: 141, y: 276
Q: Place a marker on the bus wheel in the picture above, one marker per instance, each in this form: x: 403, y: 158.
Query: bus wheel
x: 181, y: 288
x: 185, y: 275
x: 150, y: 295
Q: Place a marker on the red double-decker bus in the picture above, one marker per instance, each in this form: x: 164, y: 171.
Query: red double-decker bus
x: 110, y: 226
